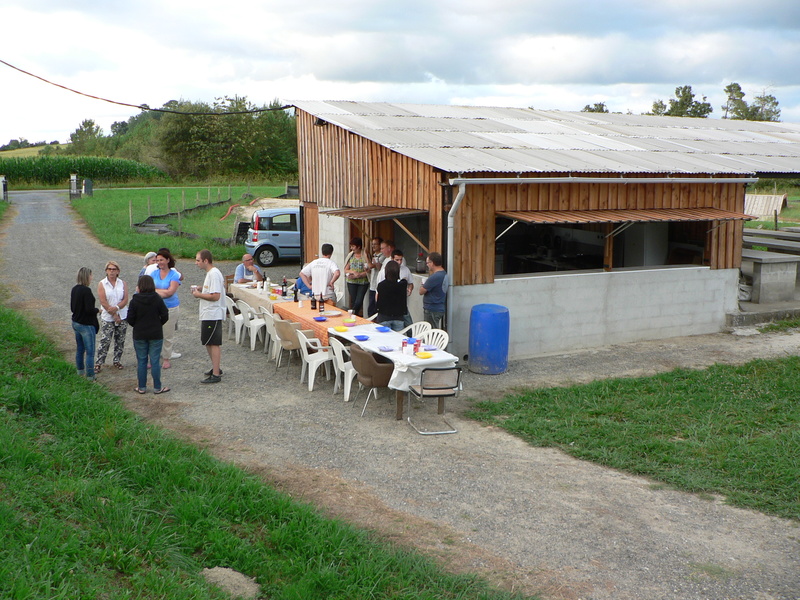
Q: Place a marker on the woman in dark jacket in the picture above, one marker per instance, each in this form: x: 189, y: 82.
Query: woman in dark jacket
x: 147, y: 313
x: 392, y: 298
x: 84, y: 322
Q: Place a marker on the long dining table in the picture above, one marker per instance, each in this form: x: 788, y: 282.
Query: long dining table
x: 256, y: 297
x: 407, y: 367
x: 308, y: 318
x: 298, y: 312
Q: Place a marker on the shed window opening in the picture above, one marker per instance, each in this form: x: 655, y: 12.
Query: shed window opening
x: 522, y: 248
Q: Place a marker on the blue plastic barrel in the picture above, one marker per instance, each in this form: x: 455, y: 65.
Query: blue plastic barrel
x: 489, y: 326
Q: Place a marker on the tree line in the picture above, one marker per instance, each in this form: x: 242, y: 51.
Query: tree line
x: 229, y: 138
x: 763, y: 107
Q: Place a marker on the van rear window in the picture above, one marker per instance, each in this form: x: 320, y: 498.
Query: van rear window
x: 286, y: 222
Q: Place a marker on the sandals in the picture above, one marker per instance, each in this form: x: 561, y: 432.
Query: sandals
x: 163, y: 390
x: 139, y: 390
x: 166, y: 364
x: 97, y: 368
x: 118, y: 366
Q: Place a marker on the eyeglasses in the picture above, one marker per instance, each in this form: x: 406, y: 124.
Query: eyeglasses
x: 112, y: 269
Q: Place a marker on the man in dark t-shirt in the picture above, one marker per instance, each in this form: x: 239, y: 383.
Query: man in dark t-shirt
x: 434, y: 291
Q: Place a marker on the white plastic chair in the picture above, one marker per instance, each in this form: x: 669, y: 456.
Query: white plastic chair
x: 415, y: 330
x: 345, y: 372
x: 436, y: 337
x: 312, y: 361
x: 269, y: 338
x: 252, y: 323
x: 234, y: 321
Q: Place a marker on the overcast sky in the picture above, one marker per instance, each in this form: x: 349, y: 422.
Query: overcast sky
x: 560, y: 54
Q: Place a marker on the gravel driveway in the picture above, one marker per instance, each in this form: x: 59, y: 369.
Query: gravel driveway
x: 531, y: 519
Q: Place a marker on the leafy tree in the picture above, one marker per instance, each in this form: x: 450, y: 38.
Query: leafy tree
x: 86, y: 139
x: 763, y: 108
x: 735, y: 106
x: 597, y: 107
x: 119, y: 128
x: 16, y: 144
x: 683, y: 105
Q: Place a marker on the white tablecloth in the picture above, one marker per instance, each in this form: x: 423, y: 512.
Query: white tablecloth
x: 255, y: 297
x: 407, y: 368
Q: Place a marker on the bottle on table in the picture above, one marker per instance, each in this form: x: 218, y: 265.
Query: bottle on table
x: 284, y: 292
x: 321, y: 304
x: 295, y: 293
x: 313, y: 302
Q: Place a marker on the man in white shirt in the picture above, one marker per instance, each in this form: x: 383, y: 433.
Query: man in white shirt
x: 321, y: 274
x: 212, y: 312
x: 378, y: 258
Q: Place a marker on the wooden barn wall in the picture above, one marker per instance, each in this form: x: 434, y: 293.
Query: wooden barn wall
x: 474, y: 243
x: 311, y: 242
x: 339, y: 169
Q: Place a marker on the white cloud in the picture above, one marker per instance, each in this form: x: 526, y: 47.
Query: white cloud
x: 555, y: 55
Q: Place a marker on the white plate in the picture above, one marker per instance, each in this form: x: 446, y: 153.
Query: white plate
x: 331, y: 313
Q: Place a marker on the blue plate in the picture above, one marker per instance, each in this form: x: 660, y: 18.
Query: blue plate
x: 320, y: 318
x: 383, y: 329
x: 361, y: 338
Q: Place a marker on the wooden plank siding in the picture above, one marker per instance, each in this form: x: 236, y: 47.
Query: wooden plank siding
x: 475, y: 230
x: 311, y: 243
x: 338, y: 169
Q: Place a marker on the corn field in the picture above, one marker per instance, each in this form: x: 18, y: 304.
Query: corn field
x: 53, y: 170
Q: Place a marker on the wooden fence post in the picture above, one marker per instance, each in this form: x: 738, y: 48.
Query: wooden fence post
x: 168, y: 211
x: 148, y: 206
x: 130, y: 211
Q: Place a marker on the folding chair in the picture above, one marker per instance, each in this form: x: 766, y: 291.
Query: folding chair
x: 438, y: 383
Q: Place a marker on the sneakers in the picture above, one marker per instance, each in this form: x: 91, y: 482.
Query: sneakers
x: 175, y: 355
x: 212, y: 379
x: 210, y: 372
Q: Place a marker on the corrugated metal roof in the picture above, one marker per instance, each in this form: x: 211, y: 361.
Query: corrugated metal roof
x: 470, y: 139
x: 624, y: 216
x: 373, y: 213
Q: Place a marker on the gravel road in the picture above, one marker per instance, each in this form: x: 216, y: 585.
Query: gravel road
x: 531, y: 519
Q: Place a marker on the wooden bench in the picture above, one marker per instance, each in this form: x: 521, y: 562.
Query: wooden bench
x: 774, y: 275
x: 784, y: 246
x: 793, y: 236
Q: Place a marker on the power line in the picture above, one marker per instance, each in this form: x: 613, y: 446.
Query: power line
x: 145, y: 107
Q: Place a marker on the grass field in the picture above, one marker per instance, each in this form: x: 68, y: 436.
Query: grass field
x: 731, y: 431
x: 108, y: 215
x: 23, y: 152
x: 94, y: 503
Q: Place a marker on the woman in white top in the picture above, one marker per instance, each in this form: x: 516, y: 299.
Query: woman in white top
x: 113, y: 295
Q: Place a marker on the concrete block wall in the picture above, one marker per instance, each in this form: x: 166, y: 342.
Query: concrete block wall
x: 564, y: 312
